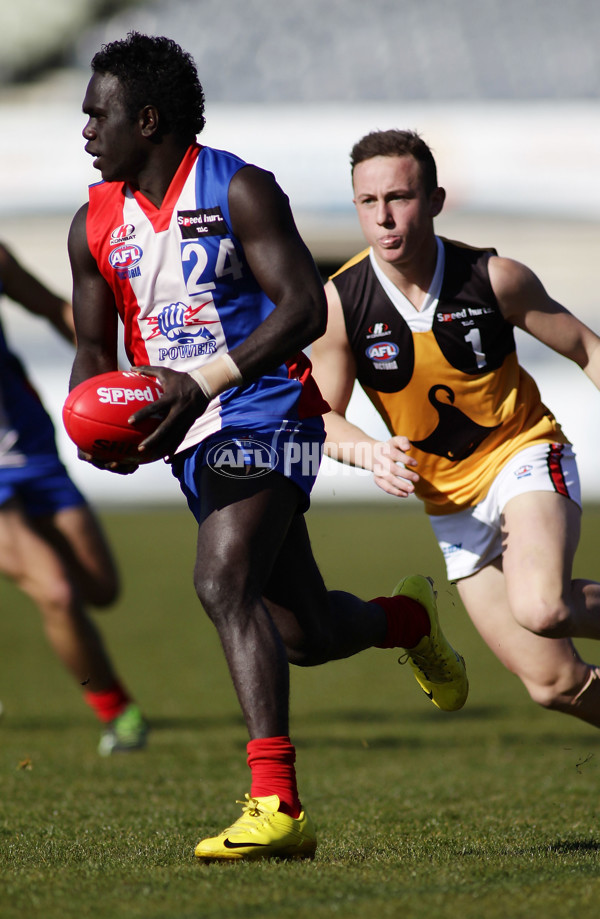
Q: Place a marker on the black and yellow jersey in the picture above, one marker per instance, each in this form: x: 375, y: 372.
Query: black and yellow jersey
x: 446, y: 376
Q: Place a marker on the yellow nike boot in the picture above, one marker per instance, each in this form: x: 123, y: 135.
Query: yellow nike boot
x: 439, y: 669
x: 262, y: 832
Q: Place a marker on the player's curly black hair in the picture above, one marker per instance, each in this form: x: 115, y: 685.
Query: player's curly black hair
x: 154, y: 70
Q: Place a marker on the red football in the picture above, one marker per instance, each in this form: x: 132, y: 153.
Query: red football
x: 95, y: 415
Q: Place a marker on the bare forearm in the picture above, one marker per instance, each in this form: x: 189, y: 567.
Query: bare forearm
x: 347, y: 443
x: 25, y: 289
x: 389, y: 461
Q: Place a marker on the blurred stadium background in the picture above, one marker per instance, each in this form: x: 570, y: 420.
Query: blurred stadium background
x: 507, y: 93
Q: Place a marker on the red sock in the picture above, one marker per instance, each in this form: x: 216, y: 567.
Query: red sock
x: 271, y: 760
x: 108, y: 703
x: 407, y: 622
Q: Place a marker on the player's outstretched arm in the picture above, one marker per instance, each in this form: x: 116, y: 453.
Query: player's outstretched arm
x: 525, y: 302
x: 335, y: 372
x: 30, y: 293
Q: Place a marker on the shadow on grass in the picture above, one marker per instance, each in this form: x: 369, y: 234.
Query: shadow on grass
x: 44, y: 723
x: 64, y: 722
x: 375, y: 716
x: 571, y: 846
x: 170, y: 722
x: 559, y: 847
x: 307, y: 728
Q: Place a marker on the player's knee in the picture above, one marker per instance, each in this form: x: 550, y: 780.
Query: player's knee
x: 103, y: 591
x: 308, y: 646
x: 54, y: 596
x: 312, y: 655
x: 544, y: 696
x: 558, y: 693
x: 543, y: 617
x: 221, y: 585
x: 212, y: 595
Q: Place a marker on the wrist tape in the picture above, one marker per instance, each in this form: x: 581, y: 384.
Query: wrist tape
x: 217, y: 375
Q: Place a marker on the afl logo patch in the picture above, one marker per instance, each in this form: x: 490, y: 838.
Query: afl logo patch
x: 124, y: 257
x: 248, y: 457
x: 382, y: 351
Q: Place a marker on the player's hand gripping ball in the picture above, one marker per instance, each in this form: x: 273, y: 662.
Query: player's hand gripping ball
x: 95, y: 415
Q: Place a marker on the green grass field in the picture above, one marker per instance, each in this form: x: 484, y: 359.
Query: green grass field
x: 489, y: 812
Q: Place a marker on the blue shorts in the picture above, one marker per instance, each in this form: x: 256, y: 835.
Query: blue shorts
x: 42, y: 485
x: 293, y: 449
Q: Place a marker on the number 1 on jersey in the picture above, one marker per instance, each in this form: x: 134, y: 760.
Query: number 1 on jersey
x: 473, y: 336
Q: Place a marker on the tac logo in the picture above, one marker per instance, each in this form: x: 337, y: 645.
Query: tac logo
x: 125, y: 257
x: 242, y: 457
x: 523, y: 471
x: 383, y: 351
x: 122, y: 234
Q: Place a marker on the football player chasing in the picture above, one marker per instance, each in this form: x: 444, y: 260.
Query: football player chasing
x: 426, y: 326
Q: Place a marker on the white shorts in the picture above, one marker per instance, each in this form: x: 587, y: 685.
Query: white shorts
x: 472, y: 538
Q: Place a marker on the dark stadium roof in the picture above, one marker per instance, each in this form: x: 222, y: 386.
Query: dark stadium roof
x: 332, y: 50
x: 349, y: 50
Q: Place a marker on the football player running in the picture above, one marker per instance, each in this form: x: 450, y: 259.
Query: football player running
x: 426, y: 326
x: 219, y: 295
